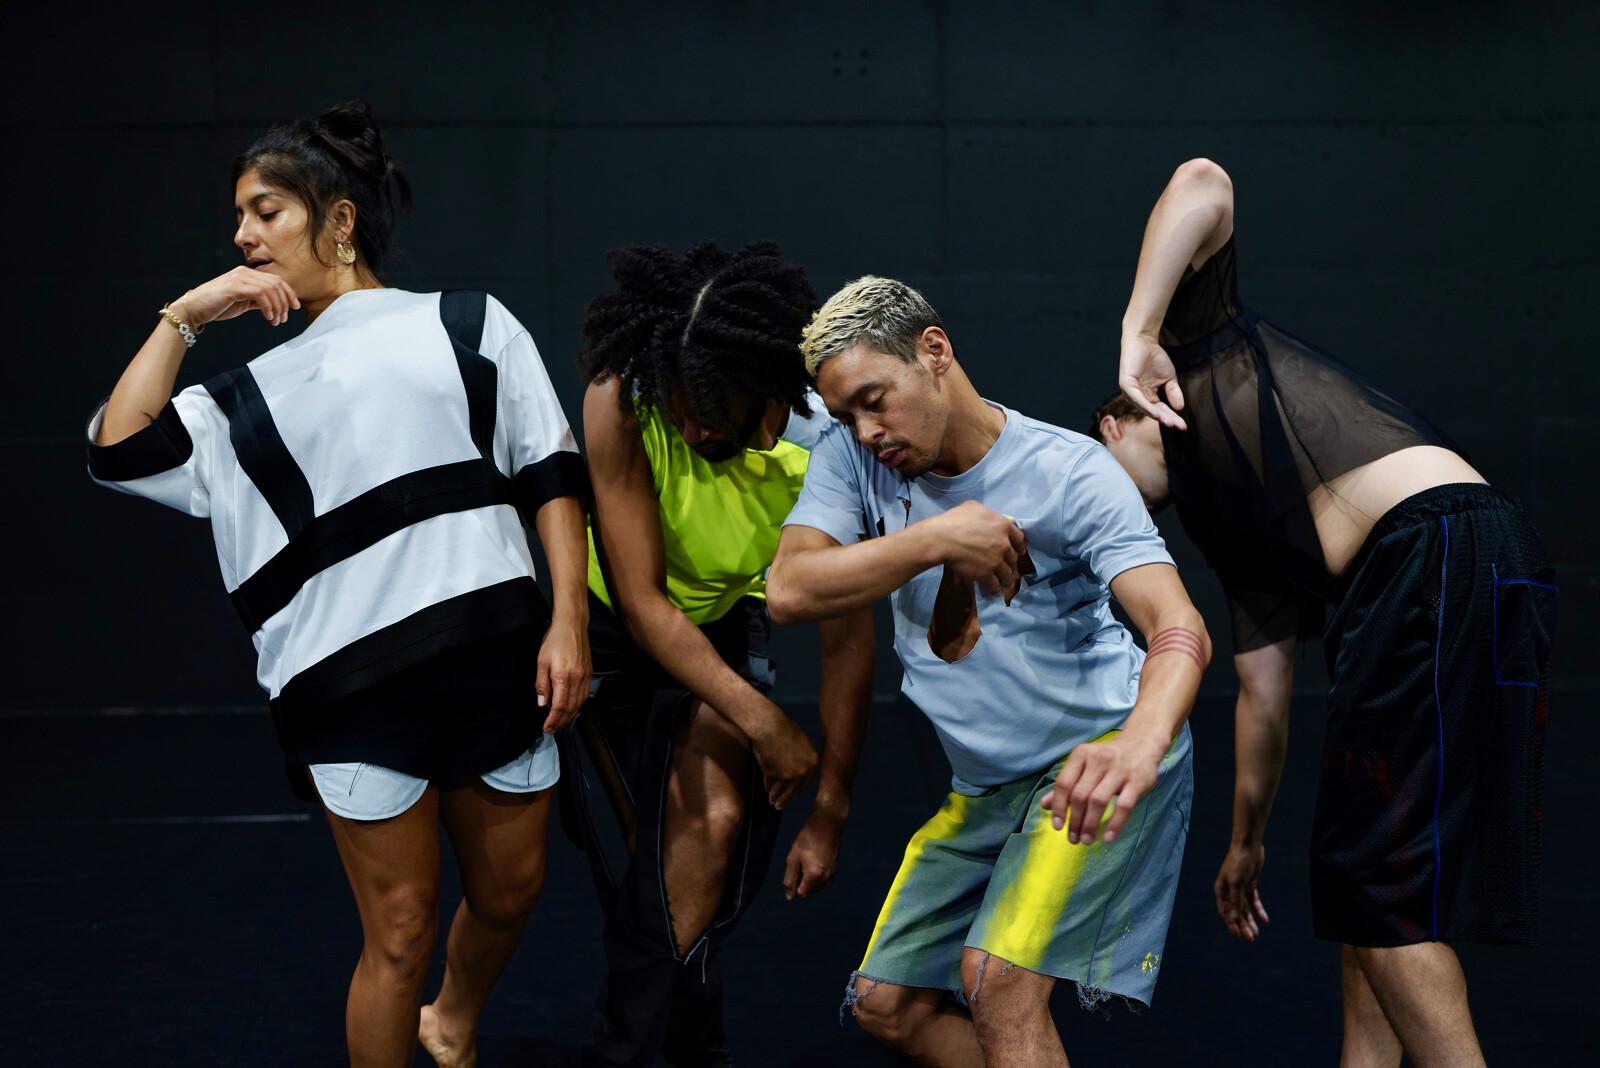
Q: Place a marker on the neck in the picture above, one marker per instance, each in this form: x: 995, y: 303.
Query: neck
x: 345, y: 281
x: 972, y: 429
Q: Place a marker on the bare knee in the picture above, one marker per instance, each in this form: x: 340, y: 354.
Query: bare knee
x: 884, y: 1012
x: 974, y: 963
x: 400, y: 935
x: 724, y: 816
x: 1000, y: 994
x: 706, y: 810
x: 508, y: 903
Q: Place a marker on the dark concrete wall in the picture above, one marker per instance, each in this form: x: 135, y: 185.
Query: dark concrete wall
x: 1415, y: 193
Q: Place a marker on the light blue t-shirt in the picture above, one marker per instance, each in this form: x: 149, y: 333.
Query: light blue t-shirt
x: 1054, y: 668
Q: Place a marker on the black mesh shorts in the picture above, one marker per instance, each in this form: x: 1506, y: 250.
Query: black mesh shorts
x: 1428, y: 819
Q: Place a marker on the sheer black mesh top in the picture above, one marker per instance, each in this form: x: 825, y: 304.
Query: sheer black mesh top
x: 1270, y: 418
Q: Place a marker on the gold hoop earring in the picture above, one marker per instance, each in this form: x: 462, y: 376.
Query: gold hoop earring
x: 347, y: 252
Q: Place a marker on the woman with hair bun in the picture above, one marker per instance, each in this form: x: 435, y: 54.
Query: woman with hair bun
x: 367, y: 482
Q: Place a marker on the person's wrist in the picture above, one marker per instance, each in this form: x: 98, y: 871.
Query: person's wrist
x: 173, y: 317
x: 928, y: 547
x: 1149, y: 746
x: 764, y: 720
x: 831, y: 805
x: 574, y: 614
x: 185, y: 311
x: 1139, y: 328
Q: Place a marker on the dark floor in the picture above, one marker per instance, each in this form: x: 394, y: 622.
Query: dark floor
x: 167, y: 902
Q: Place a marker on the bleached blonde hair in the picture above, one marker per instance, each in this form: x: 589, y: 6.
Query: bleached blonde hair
x: 888, y: 315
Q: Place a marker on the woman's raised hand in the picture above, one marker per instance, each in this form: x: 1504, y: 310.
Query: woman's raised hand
x: 234, y: 293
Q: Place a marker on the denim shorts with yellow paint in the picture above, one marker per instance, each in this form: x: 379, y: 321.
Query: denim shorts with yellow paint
x: 991, y: 872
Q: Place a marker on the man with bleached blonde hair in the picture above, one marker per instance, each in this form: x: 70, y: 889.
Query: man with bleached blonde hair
x: 999, y: 540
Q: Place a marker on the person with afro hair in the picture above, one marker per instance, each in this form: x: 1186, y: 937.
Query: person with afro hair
x: 698, y: 420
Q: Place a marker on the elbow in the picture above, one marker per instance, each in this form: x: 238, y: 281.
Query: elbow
x: 789, y: 602
x: 1202, y: 182
x: 782, y: 604
x: 1202, y: 173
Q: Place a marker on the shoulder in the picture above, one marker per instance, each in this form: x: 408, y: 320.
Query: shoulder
x: 389, y: 310
x: 476, y: 318
x: 1073, y: 466
x: 806, y: 430
x: 1055, y: 444
x: 604, y: 409
x: 500, y: 326
x: 837, y: 446
x: 389, y: 303
x: 839, y: 462
x: 613, y: 437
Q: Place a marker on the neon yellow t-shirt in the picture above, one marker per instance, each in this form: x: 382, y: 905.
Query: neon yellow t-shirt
x: 720, y: 522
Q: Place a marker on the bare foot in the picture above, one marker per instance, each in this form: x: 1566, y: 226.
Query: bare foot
x: 445, y: 1052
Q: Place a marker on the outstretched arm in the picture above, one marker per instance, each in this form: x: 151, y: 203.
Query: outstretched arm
x: 1191, y: 221
x: 1260, y: 739
x: 1125, y: 768
x: 849, y: 648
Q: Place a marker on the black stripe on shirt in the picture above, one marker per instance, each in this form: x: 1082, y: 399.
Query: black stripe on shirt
x: 561, y: 474
x: 462, y: 312
x: 364, y: 521
x: 260, y: 449
x: 438, y: 628
x: 163, y: 445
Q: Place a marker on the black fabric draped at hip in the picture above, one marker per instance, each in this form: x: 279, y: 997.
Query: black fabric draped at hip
x: 454, y: 716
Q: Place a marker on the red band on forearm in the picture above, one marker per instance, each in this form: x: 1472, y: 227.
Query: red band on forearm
x: 1178, y: 640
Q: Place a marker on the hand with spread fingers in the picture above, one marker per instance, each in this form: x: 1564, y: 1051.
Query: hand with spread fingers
x: 1148, y: 378
x: 1097, y: 775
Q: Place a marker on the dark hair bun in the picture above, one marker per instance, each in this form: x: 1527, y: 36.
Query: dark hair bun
x: 351, y: 133
x: 350, y: 121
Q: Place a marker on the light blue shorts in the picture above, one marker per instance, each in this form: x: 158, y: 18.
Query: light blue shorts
x: 373, y: 792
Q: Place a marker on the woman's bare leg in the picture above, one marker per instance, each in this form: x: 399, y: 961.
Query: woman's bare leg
x: 499, y: 841
x: 393, y: 868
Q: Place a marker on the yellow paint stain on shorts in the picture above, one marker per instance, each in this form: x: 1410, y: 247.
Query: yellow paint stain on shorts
x: 945, y: 824
x: 1024, y: 922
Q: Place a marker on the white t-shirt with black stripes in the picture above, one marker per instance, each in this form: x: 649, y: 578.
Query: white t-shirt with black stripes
x: 363, y: 482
